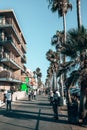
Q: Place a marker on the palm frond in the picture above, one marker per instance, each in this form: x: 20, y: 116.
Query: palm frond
x: 61, y: 6
x: 75, y: 76
x: 67, y: 66
x: 61, y: 71
x: 77, y: 37
x: 54, y: 40
x: 72, y: 79
x: 69, y: 50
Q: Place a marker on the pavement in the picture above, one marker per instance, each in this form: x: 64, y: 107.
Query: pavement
x: 35, y: 115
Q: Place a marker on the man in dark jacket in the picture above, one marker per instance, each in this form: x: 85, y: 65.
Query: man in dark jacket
x: 55, y: 105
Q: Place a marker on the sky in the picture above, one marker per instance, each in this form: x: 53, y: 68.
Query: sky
x: 38, y: 24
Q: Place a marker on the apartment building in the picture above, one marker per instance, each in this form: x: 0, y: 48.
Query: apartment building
x: 32, y: 78
x: 12, y: 52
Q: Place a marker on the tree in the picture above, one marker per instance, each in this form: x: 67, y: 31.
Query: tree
x: 62, y: 7
x: 57, y: 40
x: 52, y: 56
x: 39, y: 75
x: 49, y: 77
x: 75, y: 48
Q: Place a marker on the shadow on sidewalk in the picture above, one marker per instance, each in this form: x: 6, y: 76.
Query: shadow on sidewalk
x: 18, y: 114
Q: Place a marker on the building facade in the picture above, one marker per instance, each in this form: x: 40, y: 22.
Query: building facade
x: 32, y: 79
x: 12, y: 52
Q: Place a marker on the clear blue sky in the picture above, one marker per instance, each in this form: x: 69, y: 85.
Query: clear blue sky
x: 38, y: 25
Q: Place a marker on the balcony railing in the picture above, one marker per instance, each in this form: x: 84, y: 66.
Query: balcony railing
x: 11, y: 22
x: 7, y: 74
x: 10, y: 56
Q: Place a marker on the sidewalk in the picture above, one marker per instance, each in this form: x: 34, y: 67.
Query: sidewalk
x: 62, y: 123
x: 63, y: 111
x: 35, y: 115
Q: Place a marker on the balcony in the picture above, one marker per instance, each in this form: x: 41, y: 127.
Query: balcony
x: 9, y: 25
x: 23, y: 47
x: 8, y: 76
x: 10, y: 60
x: 10, y: 46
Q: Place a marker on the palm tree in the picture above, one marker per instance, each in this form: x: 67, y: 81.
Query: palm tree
x: 39, y: 75
x: 57, y: 40
x: 62, y: 7
x: 49, y: 76
x: 75, y: 48
x: 52, y: 56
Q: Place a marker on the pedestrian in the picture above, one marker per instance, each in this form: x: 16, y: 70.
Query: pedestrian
x: 55, y: 105
x: 8, y: 100
x: 32, y: 94
x: 4, y: 100
x: 35, y: 93
x: 57, y: 91
x: 29, y: 95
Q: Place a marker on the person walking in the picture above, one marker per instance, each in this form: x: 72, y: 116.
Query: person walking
x: 4, y: 100
x: 29, y: 95
x: 35, y: 93
x: 8, y: 100
x: 57, y: 91
x: 32, y: 94
x: 55, y: 104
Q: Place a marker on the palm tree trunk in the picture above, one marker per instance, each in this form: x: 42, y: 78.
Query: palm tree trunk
x: 78, y: 14
x: 79, y: 26
x: 68, y: 104
x: 64, y: 27
x: 54, y: 81
x: 63, y: 76
x: 81, y: 109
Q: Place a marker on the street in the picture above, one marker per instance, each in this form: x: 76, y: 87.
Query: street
x: 34, y: 115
